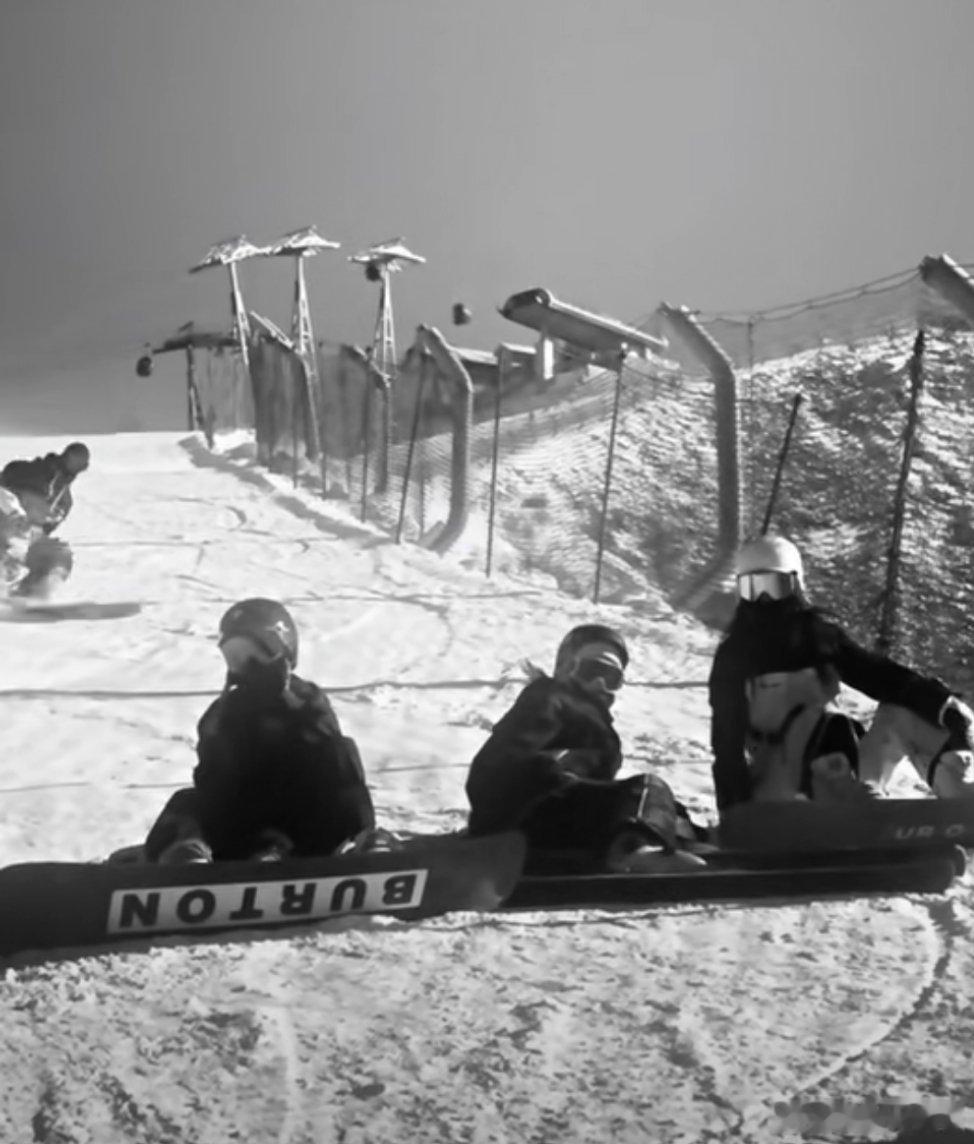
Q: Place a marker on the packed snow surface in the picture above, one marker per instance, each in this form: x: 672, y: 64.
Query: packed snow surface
x: 684, y: 1024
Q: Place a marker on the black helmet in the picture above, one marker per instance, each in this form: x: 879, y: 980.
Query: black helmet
x: 266, y: 622
x: 78, y: 454
x: 588, y: 634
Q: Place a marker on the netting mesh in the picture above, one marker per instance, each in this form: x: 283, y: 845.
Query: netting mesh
x: 552, y: 470
x: 850, y: 355
x: 539, y: 459
x: 224, y: 387
x: 366, y: 447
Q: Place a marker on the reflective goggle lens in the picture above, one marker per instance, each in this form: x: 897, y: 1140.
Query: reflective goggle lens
x: 239, y: 652
x: 776, y: 585
x: 609, y: 674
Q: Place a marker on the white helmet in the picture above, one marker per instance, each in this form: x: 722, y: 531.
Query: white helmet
x: 768, y: 565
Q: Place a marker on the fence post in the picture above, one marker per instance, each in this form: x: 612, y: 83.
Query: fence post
x: 746, y: 430
x: 887, y: 619
x: 364, y: 437
x: 237, y: 384
x: 318, y: 396
x: 424, y: 363
x: 294, y: 431
x: 503, y: 361
x: 721, y: 369
x: 385, y: 443
x: 308, y: 396
x: 341, y: 381
x: 190, y: 385
x: 450, y: 366
x: 600, y: 547
x: 780, y: 467
x: 260, y: 383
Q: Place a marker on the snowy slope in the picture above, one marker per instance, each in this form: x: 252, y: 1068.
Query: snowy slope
x: 685, y: 1024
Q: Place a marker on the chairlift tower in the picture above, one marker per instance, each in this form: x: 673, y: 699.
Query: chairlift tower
x: 228, y: 254
x: 380, y: 261
x: 301, y: 245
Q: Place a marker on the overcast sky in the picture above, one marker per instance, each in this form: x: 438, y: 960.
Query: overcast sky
x: 726, y: 154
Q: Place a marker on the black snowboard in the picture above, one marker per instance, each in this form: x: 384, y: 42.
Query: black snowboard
x: 28, y: 611
x: 46, y: 905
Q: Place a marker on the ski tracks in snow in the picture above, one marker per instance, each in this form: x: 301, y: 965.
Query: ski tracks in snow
x: 922, y: 1055
x: 679, y: 1025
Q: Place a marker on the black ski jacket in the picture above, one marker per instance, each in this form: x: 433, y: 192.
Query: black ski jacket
x: 285, y: 766
x: 47, y: 478
x: 786, y: 636
x: 519, y: 765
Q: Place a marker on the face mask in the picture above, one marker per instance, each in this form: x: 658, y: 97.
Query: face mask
x: 261, y: 681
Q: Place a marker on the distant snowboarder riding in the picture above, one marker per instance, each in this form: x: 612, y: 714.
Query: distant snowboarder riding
x: 35, y: 498
x: 276, y: 776
x: 776, y: 733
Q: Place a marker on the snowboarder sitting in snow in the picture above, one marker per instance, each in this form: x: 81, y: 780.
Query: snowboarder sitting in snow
x: 41, y: 490
x: 276, y: 776
x: 775, y: 732
x: 549, y: 769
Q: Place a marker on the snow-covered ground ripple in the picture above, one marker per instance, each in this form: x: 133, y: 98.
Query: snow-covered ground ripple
x: 684, y: 1024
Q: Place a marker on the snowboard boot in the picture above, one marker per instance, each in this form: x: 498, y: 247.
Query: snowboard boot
x: 273, y: 846
x: 630, y: 853
x: 953, y: 775
x: 40, y: 588
x: 656, y: 811
x: 833, y: 780
x: 186, y: 851
x: 951, y: 770
x: 372, y: 840
x: 49, y: 562
x: 127, y: 856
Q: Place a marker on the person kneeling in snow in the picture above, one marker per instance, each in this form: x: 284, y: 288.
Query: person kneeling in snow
x: 775, y: 732
x: 549, y: 769
x: 276, y: 777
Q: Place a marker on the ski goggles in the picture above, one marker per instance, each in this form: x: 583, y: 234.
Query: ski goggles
x: 607, y: 671
x: 239, y: 652
x: 776, y: 585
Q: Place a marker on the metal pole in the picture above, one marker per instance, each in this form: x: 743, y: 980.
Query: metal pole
x: 502, y: 358
x: 414, y: 432
x: 228, y: 370
x: 189, y: 387
x: 776, y: 484
x: 608, y: 481
x: 309, y: 397
x: 294, y: 423
x: 323, y: 423
x: 346, y: 443
x: 745, y: 427
x: 887, y: 617
x: 366, y: 426
x: 423, y: 473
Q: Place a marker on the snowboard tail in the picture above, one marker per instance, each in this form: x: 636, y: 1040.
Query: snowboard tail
x: 751, y: 877
x: 47, y: 905
x: 792, y: 827
x: 32, y: 610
